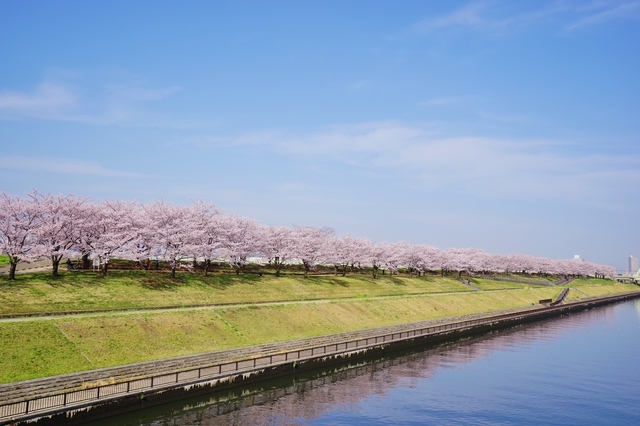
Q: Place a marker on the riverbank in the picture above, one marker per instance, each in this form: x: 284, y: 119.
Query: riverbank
x: 177, y: 377
x: 250, y: 310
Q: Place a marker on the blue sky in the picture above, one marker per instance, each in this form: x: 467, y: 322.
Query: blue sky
x: 513, y: 127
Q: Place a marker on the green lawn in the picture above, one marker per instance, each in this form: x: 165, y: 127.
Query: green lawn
x: 129, y: 289
x: 4, y: 259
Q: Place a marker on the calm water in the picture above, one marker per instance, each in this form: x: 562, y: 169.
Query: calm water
x: 580, y: 369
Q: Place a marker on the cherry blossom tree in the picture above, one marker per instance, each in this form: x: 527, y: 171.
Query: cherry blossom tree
x: 58, y: 229
x: 170, y: 231
x: 308, y: 244
x: 376, y: 253
x: 276, y: 244
x: 18, y: 221
x: 206, y: 236
x: 343, y: 251
x: 395, y: 256
x: 237, y: 240
x: 425, y: 258
x: 114, y: 227
x: 89, y: 232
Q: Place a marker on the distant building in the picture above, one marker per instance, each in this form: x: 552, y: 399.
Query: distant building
x: 633, y: 265
x: 577, y: 258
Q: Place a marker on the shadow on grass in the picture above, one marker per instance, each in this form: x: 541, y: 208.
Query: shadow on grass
x: 324, y: 280
x: 26, y: 280
x: 161, y: 280
x: 397, y: 281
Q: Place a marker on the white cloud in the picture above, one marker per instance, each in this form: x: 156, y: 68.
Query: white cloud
x: 62, y: 165
x: 604, y: 12
x: 140, y: 95
x: 484, y: 16
x: 76, y: 98
x: 504, y: 118
x: 360, y: 85
x: 469, y: 15
x: 497, y: 16
x: 484, y: 166
x: 446, y: 101
x: 47, y: 96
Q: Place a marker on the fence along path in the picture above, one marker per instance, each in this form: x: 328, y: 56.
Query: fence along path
x: 44, y: 396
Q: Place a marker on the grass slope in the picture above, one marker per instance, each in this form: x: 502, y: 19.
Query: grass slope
x: 41, y: 347
x: 130, y: 289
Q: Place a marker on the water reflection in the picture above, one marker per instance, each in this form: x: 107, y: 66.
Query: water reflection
x: 307, y: 397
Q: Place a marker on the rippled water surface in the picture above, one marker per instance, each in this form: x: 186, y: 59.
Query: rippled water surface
x: 580, y: 369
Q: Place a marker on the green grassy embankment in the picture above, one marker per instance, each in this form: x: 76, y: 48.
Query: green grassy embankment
x: 4, y: 259
x: 592, y: 287
x: 136, y: 289
x: 37, y: 347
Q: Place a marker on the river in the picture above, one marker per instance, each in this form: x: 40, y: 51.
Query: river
x: 578, y: 369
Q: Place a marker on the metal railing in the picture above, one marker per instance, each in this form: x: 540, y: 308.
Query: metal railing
x: 561, y: 297
x: 83, y: 397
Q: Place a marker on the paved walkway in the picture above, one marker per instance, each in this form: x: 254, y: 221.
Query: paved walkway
x: 28, y: 268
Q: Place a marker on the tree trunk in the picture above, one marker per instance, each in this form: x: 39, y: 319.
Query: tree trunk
x: 12, y: 270
x: 173, y: 271
x: 55, y: 262
x: 278, y: 265
x: 105, y: 267
x: 375, y: 271
x: 86, y: 262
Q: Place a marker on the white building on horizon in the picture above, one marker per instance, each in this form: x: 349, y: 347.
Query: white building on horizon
x: 633, y: 265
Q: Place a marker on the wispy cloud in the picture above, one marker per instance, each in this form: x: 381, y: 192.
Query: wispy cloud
x: 140, y: 94
x: 473, y: 15
x: 503, y: 118
x: 45, y: 97
x: 602, y: 12
x: 63, y: 165
x: 360, y: 85
x: 498, y: 16
x: 446, y: 101
x: 71, y: 98
x: 485, y: 166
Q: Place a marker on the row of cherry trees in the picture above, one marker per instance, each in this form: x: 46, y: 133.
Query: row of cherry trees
x: 55, y: 227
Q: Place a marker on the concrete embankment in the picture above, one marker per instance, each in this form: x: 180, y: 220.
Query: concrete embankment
x: 74, y: 398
